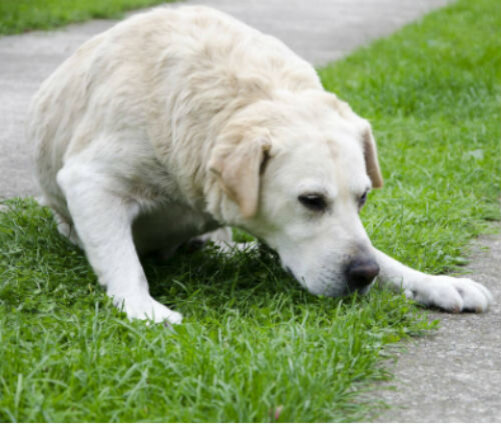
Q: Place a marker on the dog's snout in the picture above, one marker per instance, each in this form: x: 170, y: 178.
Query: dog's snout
x: 360, y: 273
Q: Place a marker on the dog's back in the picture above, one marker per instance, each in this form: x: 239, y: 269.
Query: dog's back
x: 167, y: 77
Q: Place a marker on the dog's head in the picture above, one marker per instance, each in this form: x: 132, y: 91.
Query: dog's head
x: 296, y: 170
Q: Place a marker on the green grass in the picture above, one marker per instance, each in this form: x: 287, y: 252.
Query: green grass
x: 252, y: 340
x: 18, y: 16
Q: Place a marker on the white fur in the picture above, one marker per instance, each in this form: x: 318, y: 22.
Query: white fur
x: 177, y: 122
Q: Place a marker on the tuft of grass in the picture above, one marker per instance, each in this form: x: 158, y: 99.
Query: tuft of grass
x: 18, y: 16
x: 252, y: 340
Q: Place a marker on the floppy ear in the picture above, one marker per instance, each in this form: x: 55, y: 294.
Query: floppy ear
x: 238, y: 168
x: 370, y: 156
x: 368, y: 142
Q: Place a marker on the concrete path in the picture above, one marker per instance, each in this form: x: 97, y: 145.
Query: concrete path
x: 318, y: 30
x: 454, y: 375
x: 451, y: 376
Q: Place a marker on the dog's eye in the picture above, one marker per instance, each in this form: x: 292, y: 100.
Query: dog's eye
x: 362, y: 199
x: 313, y: 201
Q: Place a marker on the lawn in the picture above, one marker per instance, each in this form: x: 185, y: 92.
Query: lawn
x: 25, y: 15
x: 254, y: 346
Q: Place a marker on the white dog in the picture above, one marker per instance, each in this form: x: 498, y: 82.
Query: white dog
x: 177, y: 122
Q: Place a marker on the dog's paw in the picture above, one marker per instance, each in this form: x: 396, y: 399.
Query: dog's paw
x: 147, y: 309
x: 451, y: 294
x: 231, y: 248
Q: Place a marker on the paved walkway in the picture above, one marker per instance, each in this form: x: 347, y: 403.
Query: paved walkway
x: 318, y: 30
x: 452, y: 376
x: 455, y: 375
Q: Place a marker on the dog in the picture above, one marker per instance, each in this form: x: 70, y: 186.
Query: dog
x: 181, y: 122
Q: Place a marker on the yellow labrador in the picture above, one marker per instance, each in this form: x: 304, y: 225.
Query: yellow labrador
x: 177, y: 122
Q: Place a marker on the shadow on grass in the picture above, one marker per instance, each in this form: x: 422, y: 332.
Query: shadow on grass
x: 200, y: 282
x: 204, y: 284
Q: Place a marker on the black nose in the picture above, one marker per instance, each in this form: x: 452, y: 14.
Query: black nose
x: 360, y: 273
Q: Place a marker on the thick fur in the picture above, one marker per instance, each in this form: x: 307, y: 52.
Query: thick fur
x: 177, y: 122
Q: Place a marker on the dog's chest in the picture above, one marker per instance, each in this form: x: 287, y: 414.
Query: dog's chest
x: 168, y: 227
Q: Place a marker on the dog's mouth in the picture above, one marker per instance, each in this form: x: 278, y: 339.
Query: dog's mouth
x: 329, y: 288
x: 362, y: 291
x: 344, y: 291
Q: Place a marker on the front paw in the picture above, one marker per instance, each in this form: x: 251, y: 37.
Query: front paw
x: 450, y: 294
x: 146, y: 308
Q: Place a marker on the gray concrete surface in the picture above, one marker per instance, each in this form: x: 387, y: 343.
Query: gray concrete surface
x: 452, y: 376
x: 318, y: 30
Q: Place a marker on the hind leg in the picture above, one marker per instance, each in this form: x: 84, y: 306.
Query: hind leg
x: 223, y: 238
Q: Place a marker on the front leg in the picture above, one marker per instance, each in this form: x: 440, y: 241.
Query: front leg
x: 103, y: 220
x: 448, y: 293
